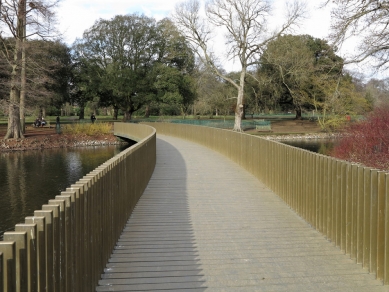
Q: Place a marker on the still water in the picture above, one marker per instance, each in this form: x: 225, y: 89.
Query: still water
x: 321, y: 146
x: 29, y: 179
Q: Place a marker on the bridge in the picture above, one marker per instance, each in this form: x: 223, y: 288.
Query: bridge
x: 222, y: 211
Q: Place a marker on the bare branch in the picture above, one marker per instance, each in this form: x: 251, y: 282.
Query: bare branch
x: 366, y: 21
x: 245, y: 23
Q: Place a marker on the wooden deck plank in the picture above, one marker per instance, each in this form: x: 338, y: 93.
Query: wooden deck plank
x: 205, y: 224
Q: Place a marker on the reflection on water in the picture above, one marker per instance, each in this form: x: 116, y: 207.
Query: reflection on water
x: 321, y: 146
x: 29, y: 179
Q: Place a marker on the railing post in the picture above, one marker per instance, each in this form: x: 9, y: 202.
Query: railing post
x: 338, y: 195
x: 48, y: 242
x: 1, y: 271
x: 373, y: 221
x: 20, y: 239
x: 354, y: 212
x: 40, y: 249
x: 320, y: 194
x: 89, y: 234
x: 80, y: 232
x: 360, y: 214
x: 343, y: 207
x: 54, y: 269
x: 61, y: 280
x: 332, y: 200
x: 31, y: 253
x: 381, y: 224
x: 67, y: 242
x: 312, y: 186
x: 386, y: 255
x: 7, y: 248
x: 367, y: 177
x: 349, y: 185
x: 76, y: 191
x: 325, y: 196
x: 71, y: 241
x: 93, y: 251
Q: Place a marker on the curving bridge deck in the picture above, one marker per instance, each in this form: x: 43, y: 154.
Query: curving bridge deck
x: 205, y: 224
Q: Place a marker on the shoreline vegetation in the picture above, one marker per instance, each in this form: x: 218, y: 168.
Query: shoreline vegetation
x: 73, y: 135
x: 57, y: 141
x: 307, y: 136
x: 99, y: 134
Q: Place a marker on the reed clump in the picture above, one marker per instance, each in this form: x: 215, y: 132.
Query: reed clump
x: 88, y: 129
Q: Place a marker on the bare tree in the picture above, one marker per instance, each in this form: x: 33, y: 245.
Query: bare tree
x: 366, y: 21
x: 247, y: 35
x: 20, y: 19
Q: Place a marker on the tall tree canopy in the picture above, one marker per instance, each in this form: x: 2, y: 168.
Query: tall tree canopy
x: 131, y: 60
x: 305, y: 72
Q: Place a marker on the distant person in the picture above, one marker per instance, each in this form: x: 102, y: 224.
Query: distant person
x: 93, y: 118
x: 37, y: 122
x: 57, y: 125
x: 43, y: 122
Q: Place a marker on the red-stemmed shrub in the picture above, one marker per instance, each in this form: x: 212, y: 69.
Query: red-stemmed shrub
x: 367, y: 141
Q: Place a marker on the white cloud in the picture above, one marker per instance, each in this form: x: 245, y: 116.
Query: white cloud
x: 76, y: 16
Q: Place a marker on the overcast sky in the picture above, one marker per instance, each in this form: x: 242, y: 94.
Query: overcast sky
x: 76, y: 16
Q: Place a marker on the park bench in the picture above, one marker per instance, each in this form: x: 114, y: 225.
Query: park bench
x: 262, y: 126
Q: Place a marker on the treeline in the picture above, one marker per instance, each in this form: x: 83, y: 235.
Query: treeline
x: 133, y: 64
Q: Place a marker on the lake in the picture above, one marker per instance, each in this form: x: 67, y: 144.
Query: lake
x: 321, y: 146
x: 28, y: 179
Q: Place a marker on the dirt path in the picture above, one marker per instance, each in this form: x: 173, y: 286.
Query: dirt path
x: 30, y: 131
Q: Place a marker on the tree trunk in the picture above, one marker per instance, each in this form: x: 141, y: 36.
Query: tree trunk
x: 82, y: 113
x: 239, y: 110
x: 23, y: 91
x: 23, y: 69
x: 127, y: 116
x: 183, y: 112
x: 244, y: 112
x: 238, y: 119
x: 115, y: 113
x: 14, y: 129
x: 23, y: 102
x: 147, y: 111
x: 298, y: 114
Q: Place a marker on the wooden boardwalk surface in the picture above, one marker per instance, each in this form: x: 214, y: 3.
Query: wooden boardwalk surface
x: 205, y: 224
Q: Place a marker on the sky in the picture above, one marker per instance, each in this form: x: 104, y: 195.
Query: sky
x: 76, y: 16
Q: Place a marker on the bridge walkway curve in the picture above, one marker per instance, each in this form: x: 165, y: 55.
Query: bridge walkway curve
x: 205, y: 224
